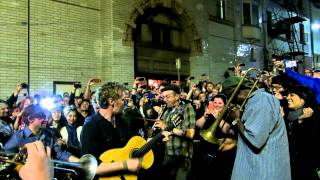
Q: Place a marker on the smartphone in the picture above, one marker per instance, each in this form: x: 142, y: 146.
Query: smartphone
x: 96, y: 80
x: 140, y: 78
x: 290, y: 64
x: 77, y: 85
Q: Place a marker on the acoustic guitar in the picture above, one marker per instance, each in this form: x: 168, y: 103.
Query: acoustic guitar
x: 137, y: 147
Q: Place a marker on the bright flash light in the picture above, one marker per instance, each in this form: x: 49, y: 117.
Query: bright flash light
x: 47, y: 103
x: 315, y: 26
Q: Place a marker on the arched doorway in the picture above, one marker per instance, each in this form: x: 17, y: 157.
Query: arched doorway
x: 160, y: 33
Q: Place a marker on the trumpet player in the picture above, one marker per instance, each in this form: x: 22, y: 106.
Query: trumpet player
x: 35, y: 119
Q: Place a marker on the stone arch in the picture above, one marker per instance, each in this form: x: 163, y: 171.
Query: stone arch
x: 139, y: 8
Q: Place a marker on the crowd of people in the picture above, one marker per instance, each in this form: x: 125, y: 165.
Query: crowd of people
x: 267, y: 127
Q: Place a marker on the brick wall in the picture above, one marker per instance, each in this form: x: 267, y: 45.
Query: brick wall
x: 65, y: 43
x: 79, y: 39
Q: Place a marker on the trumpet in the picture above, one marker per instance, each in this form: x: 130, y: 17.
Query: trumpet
x: 86, y: 167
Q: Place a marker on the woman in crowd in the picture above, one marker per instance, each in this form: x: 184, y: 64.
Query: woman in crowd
x: 19, y: 123
x: 71, y: 132
x: 303, y: 132
x: 56, y: 121
x: 214, y: 158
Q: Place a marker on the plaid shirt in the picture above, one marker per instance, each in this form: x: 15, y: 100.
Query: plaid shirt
x: 177, y: 145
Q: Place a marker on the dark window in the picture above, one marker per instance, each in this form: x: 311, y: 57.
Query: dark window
x: 255, y: 15
x: 156, y: 34
x: 246, y: 13
x: 166, y: 37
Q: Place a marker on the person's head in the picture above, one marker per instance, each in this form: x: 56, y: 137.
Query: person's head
x: 77, y: 101
x: 58, y: 100
x: 171, y: 94
x: 215, y: 90
x: 203, y: 97
x: 111, y: 95
x: 27, y: 101
x: 84, y: 105
x: 196, y: 103
x: 56, y: 114
x: 93, y: 95
x: 66, y: 98
x: 4, y: 110
x: 299, y: 97
x: 210, y: 86
x: 219, y: 101
x: 204, y: 84
x: 316, y: 73
x: 34, y: 116
x: 230, y: 84
x: 70, y: 114
x: 196, y: 93
x: 130, y: 102
x: 36, y: 99
x: 133, y: 91
x: 183, y: 95
x: 308, y: 72
x: 204, y: 77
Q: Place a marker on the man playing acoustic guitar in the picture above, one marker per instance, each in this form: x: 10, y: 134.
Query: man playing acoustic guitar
x: 105, y: 130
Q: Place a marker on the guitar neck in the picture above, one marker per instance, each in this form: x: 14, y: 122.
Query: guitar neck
x: 149, y: 145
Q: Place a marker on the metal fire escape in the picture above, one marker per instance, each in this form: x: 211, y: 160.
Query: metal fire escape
x: 285, y: 23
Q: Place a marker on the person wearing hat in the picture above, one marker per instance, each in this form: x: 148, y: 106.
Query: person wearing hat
x: 262, y: 145
x: 179, y: 120
x: 303, y: 131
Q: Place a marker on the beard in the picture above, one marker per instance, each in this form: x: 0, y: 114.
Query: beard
x: 119, y: 112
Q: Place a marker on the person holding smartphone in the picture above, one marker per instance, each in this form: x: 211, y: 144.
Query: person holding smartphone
x: 214, y: 158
